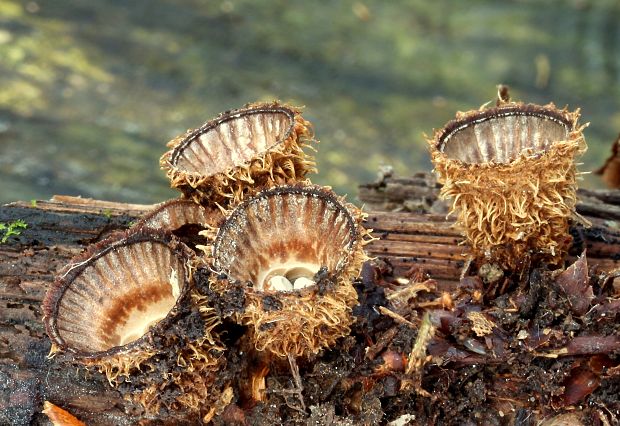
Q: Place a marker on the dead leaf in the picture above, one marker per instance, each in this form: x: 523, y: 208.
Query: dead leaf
x: 60, y: 417
x: 580, y: 384
x: 575, y: 284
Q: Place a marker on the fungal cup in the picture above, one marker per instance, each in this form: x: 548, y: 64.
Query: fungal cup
x: 125, y: 307
x: 106, y: 303
x: 174, y: 214
x: 239, y: 153
x: 279, y: 242
x: 511, y: 174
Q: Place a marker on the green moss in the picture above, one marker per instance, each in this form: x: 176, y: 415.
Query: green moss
x: 11, y: 229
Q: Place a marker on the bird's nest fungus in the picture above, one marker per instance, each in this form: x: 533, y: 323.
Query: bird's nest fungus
x: 256, y: 263
x: 510, y: 172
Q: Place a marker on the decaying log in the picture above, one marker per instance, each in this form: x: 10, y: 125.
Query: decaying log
x: 62, y: 227
x: 417, y: 193
x: 56, y: 231
x: 412, y: 228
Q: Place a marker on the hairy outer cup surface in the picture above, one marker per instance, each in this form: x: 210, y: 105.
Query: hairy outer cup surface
x: 239, y: 153
x: 511, y: 174
x: 298, y: 248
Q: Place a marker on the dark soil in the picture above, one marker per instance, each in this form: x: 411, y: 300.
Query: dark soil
x: 515, y: 358
x: 504, y: 349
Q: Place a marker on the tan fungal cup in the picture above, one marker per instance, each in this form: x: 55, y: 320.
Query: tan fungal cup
x: 278, y: 241
x: 106, y: 302
x: 511, y: 174
x: 239, y: 153
x: 173, y: 214
x: 111, y: 306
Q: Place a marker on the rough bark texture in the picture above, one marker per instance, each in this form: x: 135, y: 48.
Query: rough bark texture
x: 410, y: 222
x: 57, y: 230
x: 61, y: 228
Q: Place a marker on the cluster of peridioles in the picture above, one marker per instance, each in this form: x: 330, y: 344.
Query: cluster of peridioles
x: 130, y: 306
x: 286, y: 249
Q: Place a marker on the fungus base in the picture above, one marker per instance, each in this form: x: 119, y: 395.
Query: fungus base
x: 299, y: 323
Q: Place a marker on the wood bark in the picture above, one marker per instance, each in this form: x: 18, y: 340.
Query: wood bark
x: 57, y: 230
x: 412, y: 231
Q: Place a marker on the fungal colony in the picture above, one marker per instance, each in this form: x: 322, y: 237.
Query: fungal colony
x: 286, y: 249
x: 130, y: 305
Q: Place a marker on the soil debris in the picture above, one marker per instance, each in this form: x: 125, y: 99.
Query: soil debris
x: 546, y: 350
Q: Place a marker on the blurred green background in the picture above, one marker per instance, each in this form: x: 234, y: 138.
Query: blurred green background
x: 90, y: 91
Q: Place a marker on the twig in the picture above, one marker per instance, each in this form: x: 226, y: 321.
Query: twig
x: 297, y: 390
x: 398, y: 318
x: 417, y: 357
